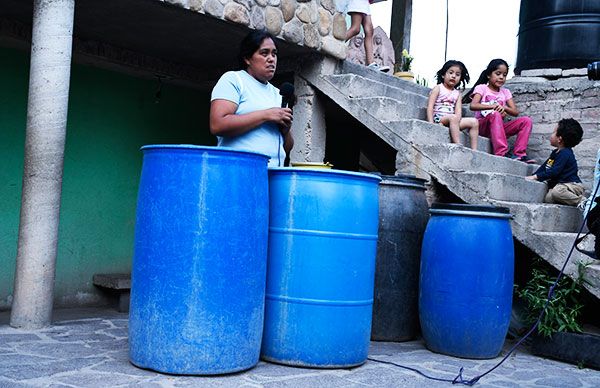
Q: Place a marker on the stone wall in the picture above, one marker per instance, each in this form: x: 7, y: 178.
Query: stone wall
x: 547, y: 101
x: 315, y: 24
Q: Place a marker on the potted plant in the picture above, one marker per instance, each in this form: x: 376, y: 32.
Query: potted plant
x: 402, y: 68
x: 560, y: 335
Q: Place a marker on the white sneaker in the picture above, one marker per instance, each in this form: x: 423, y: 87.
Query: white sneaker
x: 375, y: 66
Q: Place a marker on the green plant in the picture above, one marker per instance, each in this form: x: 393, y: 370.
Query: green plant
x: 405, y: 62
x: 421, y: 81
x: 563, y: 310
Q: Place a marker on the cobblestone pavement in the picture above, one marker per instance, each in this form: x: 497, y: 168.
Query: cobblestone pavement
x: 92, y: 352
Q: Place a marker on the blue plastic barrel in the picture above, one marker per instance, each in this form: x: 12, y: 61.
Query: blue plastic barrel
x: 466, y: 280
x: 199, y: 266
x: 320, y: 272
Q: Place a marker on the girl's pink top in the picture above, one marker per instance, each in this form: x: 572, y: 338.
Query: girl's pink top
x: 445, y: 101
x: 490, y: 97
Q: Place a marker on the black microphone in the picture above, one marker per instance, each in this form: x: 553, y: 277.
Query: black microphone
x: 287, y: 95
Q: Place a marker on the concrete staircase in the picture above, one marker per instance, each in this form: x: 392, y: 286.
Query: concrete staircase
x: 394, y: 110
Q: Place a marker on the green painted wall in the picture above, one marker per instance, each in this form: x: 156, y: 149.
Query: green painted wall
x: 110, y: 116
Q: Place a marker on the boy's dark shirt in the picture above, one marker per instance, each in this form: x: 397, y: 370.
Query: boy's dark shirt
x: 560, y: 167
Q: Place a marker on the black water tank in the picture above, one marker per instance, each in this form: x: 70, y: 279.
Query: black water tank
x: 558, y: 34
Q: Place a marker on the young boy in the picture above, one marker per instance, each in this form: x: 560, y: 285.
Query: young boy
x: 560, y: 170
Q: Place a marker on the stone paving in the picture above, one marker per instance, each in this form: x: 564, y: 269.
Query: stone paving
x: 88, y: 348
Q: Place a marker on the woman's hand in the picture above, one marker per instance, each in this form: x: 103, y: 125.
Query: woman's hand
x: 499, y: 108
x: 279, y: 116
x: 224, y: 121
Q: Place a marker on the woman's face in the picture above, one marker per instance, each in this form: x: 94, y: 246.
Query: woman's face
x: 262, y: 64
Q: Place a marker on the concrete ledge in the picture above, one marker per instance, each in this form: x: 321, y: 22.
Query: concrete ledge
x: 503, y: 187
x: 119, y: 283
x: 541, y: 73
x: 425, y: 133
x: 575, y: 348
x: 115, y: 281
x: 545, y: 217
x: 575, y: 72
x: 461, y: 158
x: 385, y: 78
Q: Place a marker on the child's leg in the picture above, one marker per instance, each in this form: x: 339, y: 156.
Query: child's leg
x: 492, y: 126
x: 565, y: 194
x: 473, y: 125
x: 368, y: 27
x: 453, y: 123
x: 355, y: 22
x: 521, y: 126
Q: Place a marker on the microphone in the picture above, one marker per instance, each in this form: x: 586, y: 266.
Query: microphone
x: 287, y: 95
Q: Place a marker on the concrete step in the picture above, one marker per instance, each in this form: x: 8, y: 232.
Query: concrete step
x: 356, y: 86
x: 456, y: 157
x: 424, y: 132
x: 385, y: 108
x: 545, y: 217
x: 348, y: 67
x: 502, y: 187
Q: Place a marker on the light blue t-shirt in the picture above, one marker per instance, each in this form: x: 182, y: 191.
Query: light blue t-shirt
x: 251, y: 95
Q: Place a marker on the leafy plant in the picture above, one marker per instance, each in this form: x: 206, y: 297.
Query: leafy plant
x: 405, y: 62
x: 421, y: 81
x: 563, y: 310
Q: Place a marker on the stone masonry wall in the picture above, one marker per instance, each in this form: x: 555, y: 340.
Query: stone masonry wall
x: 547, y: 101
x: 315, y: 24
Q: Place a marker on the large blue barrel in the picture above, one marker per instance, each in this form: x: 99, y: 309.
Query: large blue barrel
x: 466, y: 282
x: 199, y: 266
x: 320, y: 272
x: 403, y: 215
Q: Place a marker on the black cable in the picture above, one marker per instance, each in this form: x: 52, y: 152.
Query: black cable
x: 459, y: 378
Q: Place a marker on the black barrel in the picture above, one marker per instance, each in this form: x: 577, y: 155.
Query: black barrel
x: 403, y: 215
x: 558, y: 34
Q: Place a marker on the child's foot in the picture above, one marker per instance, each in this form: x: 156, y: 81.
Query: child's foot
x: 375, y: 66
x: 526, y: 159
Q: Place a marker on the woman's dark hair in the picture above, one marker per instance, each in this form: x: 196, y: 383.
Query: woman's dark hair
x: 250, y: 44
x: 483, y: 77
x: 464, y: 73
x: 570, y: 131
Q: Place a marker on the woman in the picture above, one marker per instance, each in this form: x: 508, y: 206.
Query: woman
x: 245, y: 109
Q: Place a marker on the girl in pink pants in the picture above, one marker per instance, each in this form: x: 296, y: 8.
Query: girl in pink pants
x: 492, y: 103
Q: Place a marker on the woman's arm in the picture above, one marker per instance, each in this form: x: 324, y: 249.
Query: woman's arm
x: 431, y: 102
x: 224, y: 121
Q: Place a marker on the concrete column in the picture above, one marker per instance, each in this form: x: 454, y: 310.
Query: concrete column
x: 400, y: 26
x: 308, y: 127
x: 50, y: 71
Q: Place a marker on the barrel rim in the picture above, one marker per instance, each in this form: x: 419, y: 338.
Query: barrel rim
x: 470, y: 210
x: 324, y: 171
x: 201, y: 148
x: 404, y: 180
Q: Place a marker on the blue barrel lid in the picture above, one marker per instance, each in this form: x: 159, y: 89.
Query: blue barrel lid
x: 324, y: 171
x: 470, y: 210
x: 200, y: 148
